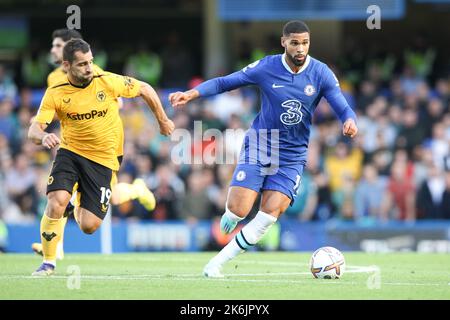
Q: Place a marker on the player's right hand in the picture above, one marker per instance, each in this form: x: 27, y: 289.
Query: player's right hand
x: 350, y: 129
x: 178, y: 99
x: 166, y: 128
x: 50, y: 140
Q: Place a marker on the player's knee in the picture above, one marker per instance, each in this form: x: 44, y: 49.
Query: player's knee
x: 238, y: 210
x: 275, y: 211
x: 89, y: 228
x: 56, y: 206
x: 274, y: 204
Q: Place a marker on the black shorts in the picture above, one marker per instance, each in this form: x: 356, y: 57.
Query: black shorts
x: 94, y: 180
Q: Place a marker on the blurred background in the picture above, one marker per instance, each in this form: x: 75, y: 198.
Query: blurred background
x: 386, y: 190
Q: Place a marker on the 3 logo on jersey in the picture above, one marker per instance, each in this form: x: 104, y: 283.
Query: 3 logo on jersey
x: 293, y: 115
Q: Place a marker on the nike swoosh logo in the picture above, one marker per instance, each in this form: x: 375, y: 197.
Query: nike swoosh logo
x: 277, y: 86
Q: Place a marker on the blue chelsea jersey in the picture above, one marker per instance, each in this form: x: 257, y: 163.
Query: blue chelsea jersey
x: 288, y: 99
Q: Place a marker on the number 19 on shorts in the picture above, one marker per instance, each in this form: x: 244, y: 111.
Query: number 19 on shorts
x: 106, y: 195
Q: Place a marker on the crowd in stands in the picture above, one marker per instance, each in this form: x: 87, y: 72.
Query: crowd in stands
x: 397, y: 168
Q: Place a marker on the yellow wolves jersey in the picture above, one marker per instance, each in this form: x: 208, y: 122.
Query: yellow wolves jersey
x: 58, y: 75
x: 89, y: 116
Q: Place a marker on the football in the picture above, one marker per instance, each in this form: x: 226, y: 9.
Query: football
x: 327, y: 263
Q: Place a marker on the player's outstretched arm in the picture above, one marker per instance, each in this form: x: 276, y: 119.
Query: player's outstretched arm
x: 37, y: 134
x: 150, y: 96
x: 212, y: 87
x: 179, y: 99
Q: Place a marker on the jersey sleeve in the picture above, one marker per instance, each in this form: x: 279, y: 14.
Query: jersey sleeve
x: 332, y: 92
x: 124, y: 86
x: 46, y: 110
x: 241, y: 78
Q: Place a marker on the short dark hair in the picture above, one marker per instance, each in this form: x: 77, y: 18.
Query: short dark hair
x: 295, y: 26
x: 73, y: 46
x: 66, y: 34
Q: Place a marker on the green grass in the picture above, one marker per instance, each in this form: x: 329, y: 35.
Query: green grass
x: 173, y: 276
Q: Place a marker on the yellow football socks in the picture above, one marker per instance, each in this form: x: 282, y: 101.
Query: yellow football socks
x: 51, y: 233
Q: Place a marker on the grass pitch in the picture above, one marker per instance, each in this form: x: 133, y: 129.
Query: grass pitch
x: 253, y: 275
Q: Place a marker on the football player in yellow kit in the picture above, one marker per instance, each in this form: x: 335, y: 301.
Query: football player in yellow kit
x: 88, y: 110
x: 121, y: 192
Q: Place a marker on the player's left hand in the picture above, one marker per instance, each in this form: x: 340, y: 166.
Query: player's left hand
x: 166, y: 127
x: 350, y: 129
x: 178, y: 99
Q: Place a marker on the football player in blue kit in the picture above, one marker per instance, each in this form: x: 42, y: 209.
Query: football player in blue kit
x: 274, y: 151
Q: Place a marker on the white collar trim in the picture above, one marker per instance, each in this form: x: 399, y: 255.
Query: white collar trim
x: 305, y: 65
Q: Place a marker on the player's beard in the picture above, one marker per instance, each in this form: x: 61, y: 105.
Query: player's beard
x: 297, y: 63
x: 82, y: 80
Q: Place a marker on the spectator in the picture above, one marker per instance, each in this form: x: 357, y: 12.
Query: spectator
x: 442, y: 90
x: 367, y: 95
x: 446, y: 196
x: 8, y: 89
x: 369, y: 194
x: 8, y: 124
x: 343, y: 163
x: 168, y: 189
x: 430, y: 197
x: 420, y: 56
x: 177, y: 68
x: 399, y: 196
x: 35, y: 68
x: 144, y: 65
x: 410, y: 134
x: 195, y: 204
x: 343, y: 198
x: 439, y: 144
x: 20, y: 185
x: 431, y: 115
x: 325, y: 208
x: 228, y: 103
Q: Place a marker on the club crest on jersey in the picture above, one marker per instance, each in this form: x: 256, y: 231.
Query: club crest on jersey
x: 66, y: 100
x: 101, y: 96
x: 309, y: 90
x: 293, y: 115
x: 128, y: 82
